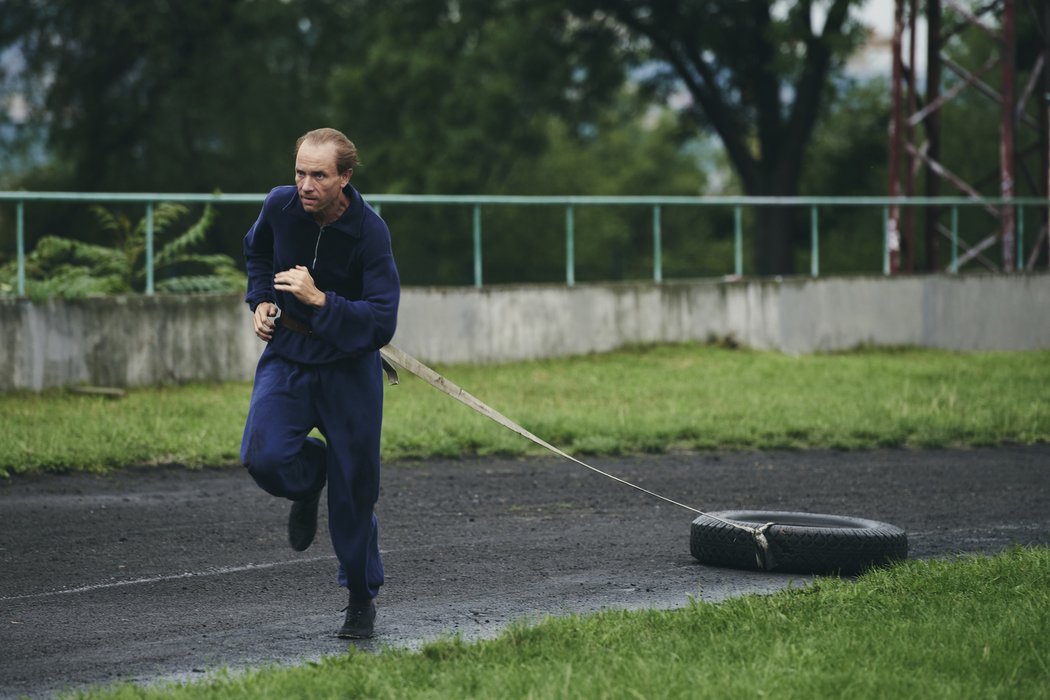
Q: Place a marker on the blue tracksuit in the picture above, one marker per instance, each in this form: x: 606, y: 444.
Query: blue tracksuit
x: 330, y: 379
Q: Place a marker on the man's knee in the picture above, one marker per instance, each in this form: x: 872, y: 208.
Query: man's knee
x: 266, y: 463
x: 285, y: 469
x: 267, y: 472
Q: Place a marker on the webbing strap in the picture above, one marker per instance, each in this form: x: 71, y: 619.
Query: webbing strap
x: 401, y: 358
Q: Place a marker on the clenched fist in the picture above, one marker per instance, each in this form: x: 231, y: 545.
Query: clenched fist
x: 263, y: 320
x: 300, y: 283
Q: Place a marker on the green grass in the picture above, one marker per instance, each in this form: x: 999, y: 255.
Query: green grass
x: 649, y: 399
x: 194, y: 425
x: 703, y: 397
x: 971, y: 628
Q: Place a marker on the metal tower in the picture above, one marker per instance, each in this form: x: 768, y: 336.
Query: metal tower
x: 1024, y: 141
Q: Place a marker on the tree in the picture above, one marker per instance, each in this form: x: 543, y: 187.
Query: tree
x: 158, y: 95
x: 459, y: 98
x: 199, y: 95
x: 756, y: 72
x: 449, y: 97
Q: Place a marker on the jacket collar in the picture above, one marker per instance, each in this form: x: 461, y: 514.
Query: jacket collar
x: 349, y: 223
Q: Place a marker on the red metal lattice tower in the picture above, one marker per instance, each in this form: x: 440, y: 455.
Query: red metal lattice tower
x: 908, y: 156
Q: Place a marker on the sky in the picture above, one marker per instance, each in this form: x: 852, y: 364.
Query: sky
x: 876, y: 59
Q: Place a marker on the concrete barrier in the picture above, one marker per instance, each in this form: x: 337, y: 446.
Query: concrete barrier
x: 127, y: 341
x: 124, y: 341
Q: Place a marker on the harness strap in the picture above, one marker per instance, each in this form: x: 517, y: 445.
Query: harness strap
x: 402, y: 359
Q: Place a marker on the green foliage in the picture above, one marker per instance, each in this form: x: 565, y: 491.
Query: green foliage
x: 492, y: 97
x: 442, y: 97
x: 626, y: 153
x: 162, y: 96
x: 467, y: 90
x: 971, y: 627
x: 847, y: 158
x: 65, y: 267
x: 643, y: 400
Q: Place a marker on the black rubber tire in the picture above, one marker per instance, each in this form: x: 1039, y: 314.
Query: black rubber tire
x: 801, y: 543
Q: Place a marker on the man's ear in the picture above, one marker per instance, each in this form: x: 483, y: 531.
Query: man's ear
x: 347, y: 175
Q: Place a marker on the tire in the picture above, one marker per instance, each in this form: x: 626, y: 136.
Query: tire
x: 801, y: 543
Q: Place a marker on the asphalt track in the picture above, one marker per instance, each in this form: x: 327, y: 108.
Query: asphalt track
x: 165, y: 573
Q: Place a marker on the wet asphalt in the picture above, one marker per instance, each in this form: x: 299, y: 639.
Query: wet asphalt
x: 157, y: 574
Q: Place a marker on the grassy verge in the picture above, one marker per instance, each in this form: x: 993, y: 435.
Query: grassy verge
x: 970, y: 628
x: 642, y: 400
x: 703, y: 397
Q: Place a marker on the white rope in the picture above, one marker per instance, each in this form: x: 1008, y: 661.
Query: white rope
x: 403, y: 359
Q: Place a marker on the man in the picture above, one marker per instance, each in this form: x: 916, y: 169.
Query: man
x: 324, y: 292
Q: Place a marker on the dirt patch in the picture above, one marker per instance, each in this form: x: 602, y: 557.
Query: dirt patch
x: 167, y: 573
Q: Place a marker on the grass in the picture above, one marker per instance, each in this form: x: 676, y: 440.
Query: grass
x: 194, y: 425
x: 648, y: 399
x: 974, y: 627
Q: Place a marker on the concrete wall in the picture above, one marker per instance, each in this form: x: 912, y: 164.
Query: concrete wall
x: 124, y: 341
x: 147, y: 340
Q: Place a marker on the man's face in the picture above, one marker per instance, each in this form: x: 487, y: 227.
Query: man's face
x: 317, y: 178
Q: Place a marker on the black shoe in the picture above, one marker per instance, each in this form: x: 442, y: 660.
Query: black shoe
x: 302, y: 522
x: 360, y: 620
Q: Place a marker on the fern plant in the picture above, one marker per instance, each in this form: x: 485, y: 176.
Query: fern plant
x: 64, y: 267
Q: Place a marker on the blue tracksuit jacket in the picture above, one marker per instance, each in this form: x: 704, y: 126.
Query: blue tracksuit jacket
x: 350, y: 261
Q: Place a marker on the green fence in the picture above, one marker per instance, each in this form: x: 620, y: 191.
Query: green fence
x: 881, y: 206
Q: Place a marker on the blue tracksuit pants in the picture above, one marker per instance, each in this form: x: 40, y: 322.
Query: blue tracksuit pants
x: 344, y: 400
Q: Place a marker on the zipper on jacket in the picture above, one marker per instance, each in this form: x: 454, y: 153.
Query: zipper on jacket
x: 317, y: 246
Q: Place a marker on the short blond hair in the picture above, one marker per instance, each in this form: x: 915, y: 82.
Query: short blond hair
x: 345, y: 150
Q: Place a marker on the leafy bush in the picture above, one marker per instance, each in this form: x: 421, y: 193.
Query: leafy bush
x: 65, y: 267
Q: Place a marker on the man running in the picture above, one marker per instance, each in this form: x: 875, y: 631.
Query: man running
x: 324, y: 291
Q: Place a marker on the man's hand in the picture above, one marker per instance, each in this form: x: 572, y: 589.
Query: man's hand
x: 300, y: 283
x: 263, y: 320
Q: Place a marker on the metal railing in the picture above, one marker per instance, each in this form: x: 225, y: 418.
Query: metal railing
x: 657, y: 204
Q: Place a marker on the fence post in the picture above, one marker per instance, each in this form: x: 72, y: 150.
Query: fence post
x: 477, y: 246
x: 1020, y: 239
x: 814, y: 255
x: 149, y: 247
x: 658, y: 263
x: 570, y: 255
x: 20, y: 234
x: 955, y: 240
x: 886, y: 241
x: 738, y: 243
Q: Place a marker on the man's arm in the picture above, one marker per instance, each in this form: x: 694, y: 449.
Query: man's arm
x: 258, y: 255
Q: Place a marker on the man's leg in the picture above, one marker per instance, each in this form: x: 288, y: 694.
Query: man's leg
x: 275, y: 447
x: 351, y: 411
